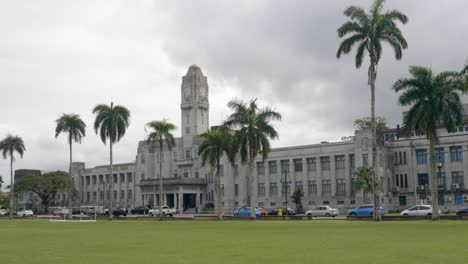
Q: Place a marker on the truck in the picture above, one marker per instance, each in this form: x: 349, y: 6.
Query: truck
x: 166, y: 210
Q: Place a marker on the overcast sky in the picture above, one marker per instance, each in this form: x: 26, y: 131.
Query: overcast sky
x: 67, y: 56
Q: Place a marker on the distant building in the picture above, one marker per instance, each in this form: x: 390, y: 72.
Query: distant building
x: 325, y: 171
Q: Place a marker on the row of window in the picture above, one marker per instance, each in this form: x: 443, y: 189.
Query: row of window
x: 456, y: 154
x: 94, y: 178
x: 457, y: 178
x: 311, y: 187
x: 116, y: 196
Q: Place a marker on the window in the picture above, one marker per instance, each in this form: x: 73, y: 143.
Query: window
x: 101, y: 195
x: 122, y: 177
x: 236, y: 189
x: 325, y: 163
x: 273, y: 188
x: 312, y: 187
x: 402, y: 200
x: 285, y: 167
x: 326, y: 186
x: 404, y: 157
x: 365, y: 159
x: 421, y: 156
x: 397, y: 182
x: 221, y: 170
x: 456, y: 153
x: 406, y: 180
x: 94, y: 179
x: 129, y: 195
x: 458, y: 198
x: 88, y: 196
x: 197, y: 174
x: 186, y: 174
x: 339, y: 162
x: 176, y: 174
x: 340, y: 186
x: 129, y: 177
x: 272, y: 167
x: 351, y: 161
x: 401, y: 157
x: 188, y: 154
x: 311, y: 165
x: 114, y: 178
x: 94, y: 196
x: 285, y: 188
x: 122, y: 195
x: 87, y: 181
x: 222, y: 189
x: 115, y: 195
x: 261, y: 189
x: 458, y: 177
x: 235, y: 169
x: 142, y: 158
x: 260, y: 168
x: 101, y: 179
x: 441, y: 180
x: 439, y: 155
x: 298, y: 165
x: 174, y: 155
x: 423, y: 179
x: 352, y: 185
x: 142, y: 175
x: 299, y: 185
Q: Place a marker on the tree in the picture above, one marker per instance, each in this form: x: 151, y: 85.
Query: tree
x: 46, y: 186
x: 252, y: 134
x: 161, y: 133
x: 369, y: 31
x: 9, y: 146
x: 214, y: 145
x: 434, y: 101
x: 76, y: 130
x: 111, y: 123
x: 297, y: 199
x: 1, y: 182
x: 364, y: 181
x: 366, y: 123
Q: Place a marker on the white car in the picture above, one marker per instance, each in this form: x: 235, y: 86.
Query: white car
x: 323, y: 210
x: 166, y: 210
x: 418, y: 210
x: 3, y: 212
x: 24, y: 213
x: 61, y: 212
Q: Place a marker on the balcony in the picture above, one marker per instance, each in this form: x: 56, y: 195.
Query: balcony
x: 184, y: 162
x: 174, y: 181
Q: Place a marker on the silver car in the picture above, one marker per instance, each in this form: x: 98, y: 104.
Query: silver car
x: 418, y: 210
x: 323, y: 210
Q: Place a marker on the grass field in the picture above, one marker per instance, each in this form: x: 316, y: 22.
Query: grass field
x: 40, y: 241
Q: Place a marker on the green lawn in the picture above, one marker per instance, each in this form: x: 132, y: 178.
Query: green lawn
x: 145, y: 241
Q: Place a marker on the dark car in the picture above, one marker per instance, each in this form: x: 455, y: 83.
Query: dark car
x: 140, y: 211
x: 288, y: 211
x: 118, y: 212
x: 462, y: 211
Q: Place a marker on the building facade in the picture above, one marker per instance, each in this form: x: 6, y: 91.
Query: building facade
x: 325, y: 171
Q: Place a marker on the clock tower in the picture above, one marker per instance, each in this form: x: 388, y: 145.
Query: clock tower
x: 194, y: 104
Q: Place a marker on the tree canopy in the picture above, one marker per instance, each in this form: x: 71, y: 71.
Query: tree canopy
x: 366, y: 123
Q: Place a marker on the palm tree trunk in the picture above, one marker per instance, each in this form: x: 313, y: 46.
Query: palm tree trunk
x: 70, y: 190
x: 252, y: 185
x: 12, y: 187
x: 219, y: 197
x: 111, y: 179
x: 160, y: 181
x: 432, y: 169
x: 372, y: 77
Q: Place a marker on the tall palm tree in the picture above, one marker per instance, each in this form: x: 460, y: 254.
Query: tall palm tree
x: 161, y: 133
x: 253, y: 132
x: 369, y: 31
x: 364, y: 180
x: 215, y: 144
x: 9, y: 146
x: 111, y: 123
x: 1, y: 182
x: 76, y: 129
x: 434, y: 101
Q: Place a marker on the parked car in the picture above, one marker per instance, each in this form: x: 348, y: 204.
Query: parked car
x: 117, y: 212
x: 462, y: 211
x: 286, y: 211
x: 245, y: 211
x: 263, y: 211
x: 365, y: 209
x: 24, y: 213
x: 3, y: 212
x: 418, y: 210
x: 323, y: 210
x: 139, y: 210
x: 166, y: 210
x: 61, y: 212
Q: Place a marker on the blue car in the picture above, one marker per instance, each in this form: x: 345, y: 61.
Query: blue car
x: 245, y: 211
x: 365, y: 209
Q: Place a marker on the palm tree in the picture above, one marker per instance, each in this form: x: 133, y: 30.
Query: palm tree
x: 161, y: 134
x: 434, y: 101
x: 8, y: 147
x: 364, y: 180
x: 1, y: 182
x: 253, y: 132
x: 369, y: 31
x: 111, y: 123
x: 215, y: 144
x: 76, y: 129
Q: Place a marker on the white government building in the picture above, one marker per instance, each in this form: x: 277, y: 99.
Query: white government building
x: 324, y: 171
